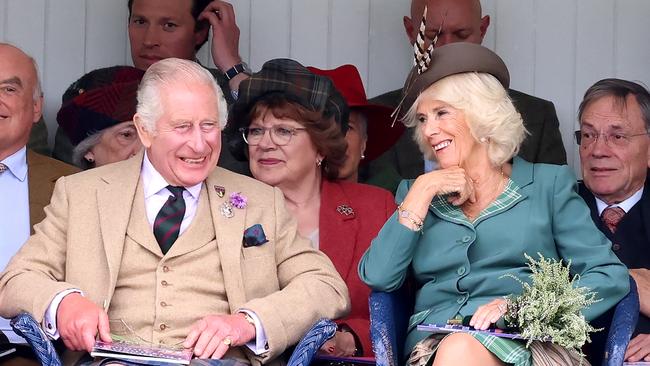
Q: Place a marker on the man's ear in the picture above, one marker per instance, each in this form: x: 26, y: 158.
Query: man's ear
x: 146, y: 136
x: 648, y: 156
x: 485, y: 23
x: 201, y: 34
x: 38, y: 109
x: 408, y: 28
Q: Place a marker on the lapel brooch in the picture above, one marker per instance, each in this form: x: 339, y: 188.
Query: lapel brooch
x: 221, y: 191
x: 235, y: 200
x: 345, y: 210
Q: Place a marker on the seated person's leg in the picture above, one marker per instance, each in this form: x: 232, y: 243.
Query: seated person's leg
x: 463, y: 349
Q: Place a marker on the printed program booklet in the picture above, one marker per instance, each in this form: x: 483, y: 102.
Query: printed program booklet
x: 141, y: 352
x: 453, y: 328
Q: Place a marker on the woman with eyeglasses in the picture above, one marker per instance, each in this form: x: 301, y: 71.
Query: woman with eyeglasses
x: 290, y: 124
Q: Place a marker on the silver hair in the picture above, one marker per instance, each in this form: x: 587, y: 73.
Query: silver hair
x: 169, y: 73
x: 79, y: 151
x: 619, y: 89
x: 488, y: 110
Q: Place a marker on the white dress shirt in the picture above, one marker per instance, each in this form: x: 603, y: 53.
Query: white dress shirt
x: 14, y: 217
x: 626, y: 205
x: 155, y: 196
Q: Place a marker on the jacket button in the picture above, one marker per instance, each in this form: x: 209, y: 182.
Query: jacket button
x: 616, y: 246
x: 164, y: 283
x: 461, y: 299
x: 165, y: 269
x: 467, y: 239
x: 163, y: 326
x: 460, y: 271
x: 163, y: 304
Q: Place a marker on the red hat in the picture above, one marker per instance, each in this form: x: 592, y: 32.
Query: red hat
x: 381, y: 136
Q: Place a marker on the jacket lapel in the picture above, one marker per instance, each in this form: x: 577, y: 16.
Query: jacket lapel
x: 115, y: 195
x: 229, y: 235
x: 338, y: 227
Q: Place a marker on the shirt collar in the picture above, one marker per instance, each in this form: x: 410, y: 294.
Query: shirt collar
x: 626, y: 205
x: 17, y: 164
x: 153, y: 182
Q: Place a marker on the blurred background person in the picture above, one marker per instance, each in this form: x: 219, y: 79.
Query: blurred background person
x: 369, y: 127
x: 290, y: 125
x: 463, y: 226
x: 98, y: 116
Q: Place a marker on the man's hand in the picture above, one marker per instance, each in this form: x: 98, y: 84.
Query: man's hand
x: 78, y: 320
x: 642, y: 278
x: 638, y: 349
x: 213, y: 335
x: 225, y: 34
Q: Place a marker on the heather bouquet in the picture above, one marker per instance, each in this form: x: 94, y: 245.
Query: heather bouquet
x: 550, y: 306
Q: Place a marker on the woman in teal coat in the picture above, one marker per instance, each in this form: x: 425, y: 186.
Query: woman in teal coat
x: 458, y: 229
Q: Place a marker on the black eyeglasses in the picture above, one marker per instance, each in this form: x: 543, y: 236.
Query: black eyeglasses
x: 587, y: 138
x: 280, y: 135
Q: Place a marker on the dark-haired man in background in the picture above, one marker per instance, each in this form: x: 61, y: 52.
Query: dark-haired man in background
x: 160, y: 29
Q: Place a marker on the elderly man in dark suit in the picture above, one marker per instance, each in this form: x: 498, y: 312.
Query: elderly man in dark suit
x: 26, y: 178
x: 614, y: 144
x: 461, y: 21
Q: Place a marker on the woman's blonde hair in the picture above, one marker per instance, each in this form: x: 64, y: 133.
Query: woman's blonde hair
x: 488, y: 110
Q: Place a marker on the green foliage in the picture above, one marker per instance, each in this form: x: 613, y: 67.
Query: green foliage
x: 551, y: 305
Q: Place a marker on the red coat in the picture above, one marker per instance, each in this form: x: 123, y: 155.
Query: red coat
x: 345, y: 238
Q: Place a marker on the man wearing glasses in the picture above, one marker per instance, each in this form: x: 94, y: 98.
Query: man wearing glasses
x: 614, y: 119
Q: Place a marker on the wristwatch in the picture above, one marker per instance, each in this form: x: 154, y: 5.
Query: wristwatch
x: 239, y: 68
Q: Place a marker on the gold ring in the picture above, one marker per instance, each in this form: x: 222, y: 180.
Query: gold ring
x: 227, y: 341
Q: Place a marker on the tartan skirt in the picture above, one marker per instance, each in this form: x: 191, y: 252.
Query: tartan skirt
x: 509, y: 351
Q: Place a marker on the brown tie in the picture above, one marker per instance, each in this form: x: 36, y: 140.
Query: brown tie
x: 611, y: 216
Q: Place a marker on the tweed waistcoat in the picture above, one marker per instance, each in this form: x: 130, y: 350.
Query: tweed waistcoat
x: 160, y: 297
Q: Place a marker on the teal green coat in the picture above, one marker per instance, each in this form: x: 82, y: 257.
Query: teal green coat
x: 457, y: 264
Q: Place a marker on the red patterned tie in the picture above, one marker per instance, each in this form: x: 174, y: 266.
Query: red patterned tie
x: 611, y: 216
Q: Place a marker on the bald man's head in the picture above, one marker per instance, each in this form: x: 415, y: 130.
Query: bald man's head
x: 461, y: 21
x: 20, y: 99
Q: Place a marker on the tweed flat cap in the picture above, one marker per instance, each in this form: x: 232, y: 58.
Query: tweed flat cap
x: 296, y: 83
x: 451, y: 59
x: 100, y: 99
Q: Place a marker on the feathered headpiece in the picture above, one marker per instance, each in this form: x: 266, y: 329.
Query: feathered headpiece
x: 421, y: 57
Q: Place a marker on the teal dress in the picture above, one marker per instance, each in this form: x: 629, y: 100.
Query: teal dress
x: 457, y: 263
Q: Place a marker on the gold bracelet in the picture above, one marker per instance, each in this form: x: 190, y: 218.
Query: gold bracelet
x: 416, y: 220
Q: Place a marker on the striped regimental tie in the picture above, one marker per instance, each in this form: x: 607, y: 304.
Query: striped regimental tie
x: 168, y: 221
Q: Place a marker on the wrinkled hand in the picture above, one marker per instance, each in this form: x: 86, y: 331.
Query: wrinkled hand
x: 452, y: 180
x: 341, y: 345
x: 638, y: 349
x: 225, y: 34
x: 78, y: 321
x: 642, y: 278
x: 488, y: 314
x: 207, y: 335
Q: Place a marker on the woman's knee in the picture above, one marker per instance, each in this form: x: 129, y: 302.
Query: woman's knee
x: 463, y: 349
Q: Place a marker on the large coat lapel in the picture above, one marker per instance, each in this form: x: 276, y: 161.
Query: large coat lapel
x: 229, y: 234
x: 115, y: 194
x: 338, y: 227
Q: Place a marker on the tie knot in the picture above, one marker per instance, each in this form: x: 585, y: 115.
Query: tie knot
x: 3, y: 168
x: 611, y: 216
x: 176, y: 191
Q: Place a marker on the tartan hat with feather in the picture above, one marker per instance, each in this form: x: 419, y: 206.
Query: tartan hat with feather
x: 100, y: 99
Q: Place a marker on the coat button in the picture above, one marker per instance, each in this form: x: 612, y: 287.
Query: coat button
x: 616, y: 246
x: 165, y: 269
x: 163, y: 304
x: 163, y: 326
x: 461, y: 299
x: 467, y: 239
x: 164, y: 283
x: 460, y: 271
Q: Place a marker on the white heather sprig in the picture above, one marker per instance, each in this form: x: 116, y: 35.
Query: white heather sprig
x: 551, y: 305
